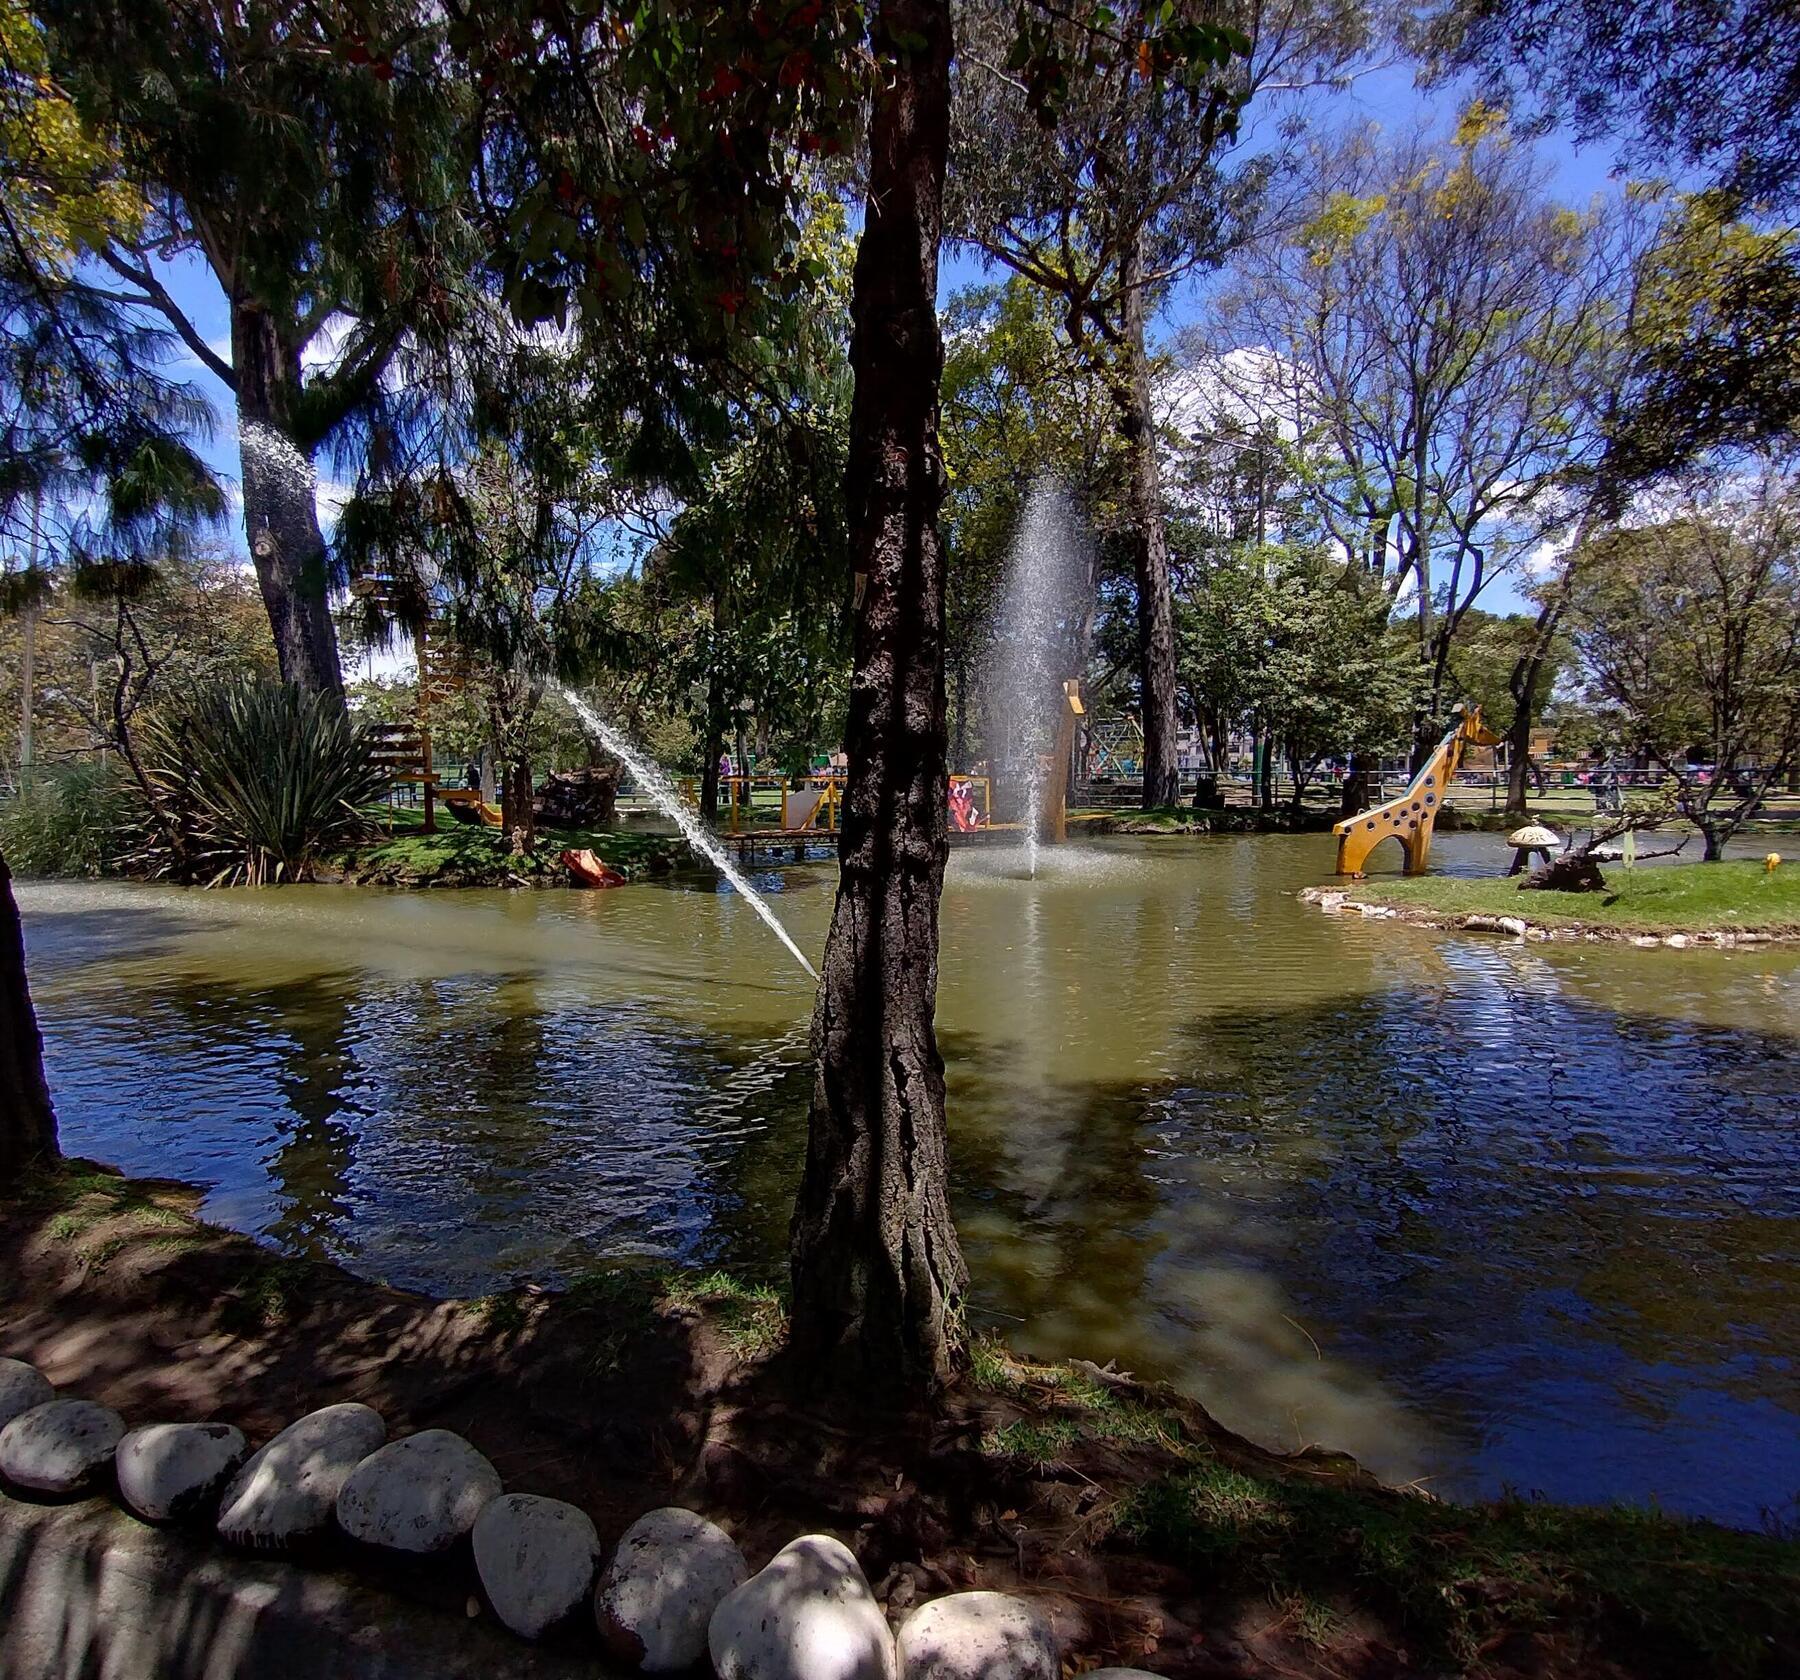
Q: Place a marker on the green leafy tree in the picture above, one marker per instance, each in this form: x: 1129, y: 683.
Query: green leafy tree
x: 1704, y: 84
x: 758, y: 558
x: 1714, y: 343
x: 1494, y: 664
x: 1018, y: 408
x: 312, y: 157
x: 1437, y: 339
x: 1108, y: 208
x: 1690, y: 626
x: 490, y: 521
x: 1278, y: 637
x: 95, y: 449
x: 659, y: 157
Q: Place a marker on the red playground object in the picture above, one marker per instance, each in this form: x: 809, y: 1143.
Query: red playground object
x: 588, y: 871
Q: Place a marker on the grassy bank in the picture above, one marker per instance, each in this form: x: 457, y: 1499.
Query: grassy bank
x: 1690, y: 898
x: 1155, y: 1536
x: 463, y: 855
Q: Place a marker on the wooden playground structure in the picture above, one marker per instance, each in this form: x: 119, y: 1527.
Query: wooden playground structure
x: 1411, y: 818
x: 810, y: 808
x: 404, y: 749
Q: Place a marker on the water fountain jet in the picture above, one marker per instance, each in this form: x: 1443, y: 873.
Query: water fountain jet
x: 1039, y: 632
x: 649, y: 776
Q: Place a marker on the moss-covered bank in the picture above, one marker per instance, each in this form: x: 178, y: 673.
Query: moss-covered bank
x: 1153, y: 1535
x: 462, y: 855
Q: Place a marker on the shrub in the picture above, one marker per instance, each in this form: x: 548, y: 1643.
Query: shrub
x: 254, y: 780
x: 75, y: 820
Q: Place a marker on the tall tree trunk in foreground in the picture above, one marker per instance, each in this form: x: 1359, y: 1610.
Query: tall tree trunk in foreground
x: 517, y: 820
x: 27, y: 1121
x: 877, y: 1274
x: 281, y: 517
x: 1150, y: 552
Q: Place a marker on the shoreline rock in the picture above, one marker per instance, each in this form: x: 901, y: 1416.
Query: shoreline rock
x: 286, y: 1493
x: 808, y: 1612
x: 169, y: 1472
x: 418, y: 1495
x: 61, y: 1448
x: 669, y: 1574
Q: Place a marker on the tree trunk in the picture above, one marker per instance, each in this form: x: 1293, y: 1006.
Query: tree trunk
x: 878, y: 1276
x: 27, y: 1121
x: 27, y: 697
x: 713, y: 749
x: 959, y: 755
x: 517, y: 822
x: 1518, y: 761
x: 281, y: 517
x: 1150, y: 554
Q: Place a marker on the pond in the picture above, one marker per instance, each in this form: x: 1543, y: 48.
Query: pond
x: 1488, y: 1214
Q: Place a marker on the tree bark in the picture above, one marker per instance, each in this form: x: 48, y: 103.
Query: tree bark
x: 517, y: 822
x: 1150, y: 555
x: 27, y: 1120
x: 878, y: 1276
x: 281, y: 517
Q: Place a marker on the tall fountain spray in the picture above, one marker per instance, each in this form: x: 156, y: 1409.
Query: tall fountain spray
x: 650, y: 777
x: 1037, y: 637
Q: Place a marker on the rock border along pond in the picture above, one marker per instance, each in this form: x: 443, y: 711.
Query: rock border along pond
x: 332, y: 1487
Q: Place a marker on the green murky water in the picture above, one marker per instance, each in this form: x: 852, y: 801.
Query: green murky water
x: 1488, y: 1213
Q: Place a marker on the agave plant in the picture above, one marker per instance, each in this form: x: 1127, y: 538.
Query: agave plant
x: 256, y: 779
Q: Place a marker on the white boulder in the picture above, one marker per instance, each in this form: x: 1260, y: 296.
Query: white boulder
x: 536, y: 1558
x: 172, y: 1471
x: 978, y: 1636
x: 286, y: 1492
x: 666, y: 1578
x: 22, y: 1387
x: 807, y: 1615
x: 420, y: 1495
x: 61, y: 1447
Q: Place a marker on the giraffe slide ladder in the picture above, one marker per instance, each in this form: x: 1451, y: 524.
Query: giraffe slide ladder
x: 1411, y: 818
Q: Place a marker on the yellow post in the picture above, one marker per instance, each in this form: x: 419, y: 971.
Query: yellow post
x: 1059, y: 769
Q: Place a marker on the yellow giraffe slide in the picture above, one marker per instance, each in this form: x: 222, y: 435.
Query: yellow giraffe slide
x: 1410, y: 818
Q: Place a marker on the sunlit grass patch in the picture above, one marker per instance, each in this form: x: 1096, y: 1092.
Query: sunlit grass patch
x: 1733, y: 896
x: 751, y: 1318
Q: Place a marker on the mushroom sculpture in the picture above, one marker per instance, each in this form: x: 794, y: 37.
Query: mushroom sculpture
x: 1532, y: 839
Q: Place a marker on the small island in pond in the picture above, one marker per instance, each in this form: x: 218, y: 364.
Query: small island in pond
x: 1702, y: 903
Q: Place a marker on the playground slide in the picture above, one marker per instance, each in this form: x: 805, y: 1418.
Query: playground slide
x: 587, y: 870
x: 1411, y: 818
x: 466, y: 805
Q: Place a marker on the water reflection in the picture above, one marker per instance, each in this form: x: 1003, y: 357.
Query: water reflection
x: 1485, y: 1212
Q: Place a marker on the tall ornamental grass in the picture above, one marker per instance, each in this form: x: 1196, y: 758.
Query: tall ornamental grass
x: 255, y: 780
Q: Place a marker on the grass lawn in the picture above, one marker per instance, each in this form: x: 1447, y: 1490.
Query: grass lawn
x: 1674, y: 898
